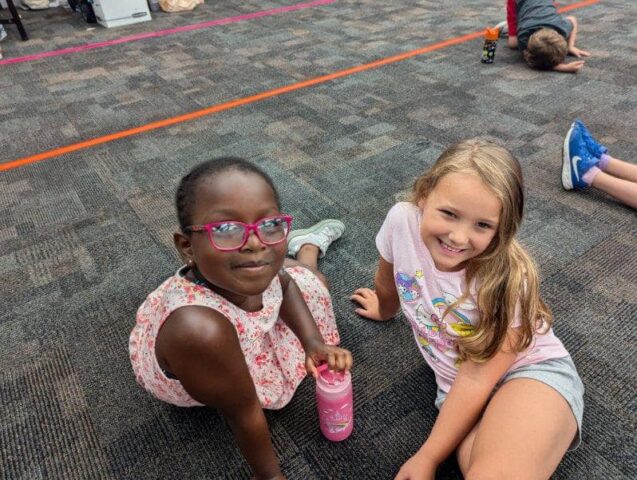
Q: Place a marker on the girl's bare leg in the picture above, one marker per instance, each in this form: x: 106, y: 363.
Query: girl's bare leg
x: 307, y: 257
x: 524, y: 433
x: 623, y: 190
x: 621, y: 169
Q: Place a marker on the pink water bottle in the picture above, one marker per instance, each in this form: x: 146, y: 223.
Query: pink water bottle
x: 335, y: 402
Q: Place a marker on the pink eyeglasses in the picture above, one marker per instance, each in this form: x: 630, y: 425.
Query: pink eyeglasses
x: 227, y: 236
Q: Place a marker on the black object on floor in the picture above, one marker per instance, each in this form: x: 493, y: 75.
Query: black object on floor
x: 14, y: 20
x: 85, y: 7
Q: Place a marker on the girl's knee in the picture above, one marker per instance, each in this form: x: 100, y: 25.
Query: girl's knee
x: 483, y: 472
x: 494, y: 470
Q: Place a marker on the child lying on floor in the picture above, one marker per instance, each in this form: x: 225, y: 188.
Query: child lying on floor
x: 543, y: 36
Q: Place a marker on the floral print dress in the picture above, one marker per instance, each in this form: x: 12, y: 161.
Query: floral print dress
x: 273, y: 353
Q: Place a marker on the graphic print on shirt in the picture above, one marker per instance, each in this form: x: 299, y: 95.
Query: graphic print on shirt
x: 436, y: 330
x: 432, y: 331
x: 409, y: 292
x: 407, y: 287
x: 425, y: 332
x: 461, y: 325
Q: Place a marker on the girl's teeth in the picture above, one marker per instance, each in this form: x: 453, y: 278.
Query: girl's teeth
x: 455, y: 250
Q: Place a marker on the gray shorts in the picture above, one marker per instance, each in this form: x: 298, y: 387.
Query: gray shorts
x: 558, y: 373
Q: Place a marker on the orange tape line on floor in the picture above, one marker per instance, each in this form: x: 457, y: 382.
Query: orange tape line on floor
x: 573, y: 6
x: 56, y: 152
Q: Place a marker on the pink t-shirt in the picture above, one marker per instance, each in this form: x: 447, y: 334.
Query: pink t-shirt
x: 425, y: 292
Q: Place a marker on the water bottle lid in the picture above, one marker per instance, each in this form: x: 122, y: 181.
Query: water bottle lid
x: 492, y: 33
x: 328, y: 376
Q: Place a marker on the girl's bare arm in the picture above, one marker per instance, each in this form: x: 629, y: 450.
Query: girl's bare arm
x: 383, y: 302
x: 296, y: 315
x: 465, y: 402
x: 201, y: 348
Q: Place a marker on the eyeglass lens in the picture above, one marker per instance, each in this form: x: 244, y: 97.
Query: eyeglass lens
x: 233, y: 234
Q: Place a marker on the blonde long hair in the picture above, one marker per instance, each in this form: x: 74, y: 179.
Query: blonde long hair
x: 506, y: 274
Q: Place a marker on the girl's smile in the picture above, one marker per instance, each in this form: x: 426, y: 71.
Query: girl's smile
x: 254, y: 268
x: 460, y: 219
x: 449, y: 250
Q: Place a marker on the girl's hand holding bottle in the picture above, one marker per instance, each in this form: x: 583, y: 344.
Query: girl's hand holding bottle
x: 317, y: 352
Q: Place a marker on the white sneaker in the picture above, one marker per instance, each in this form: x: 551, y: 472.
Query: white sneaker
x: 321, y: 234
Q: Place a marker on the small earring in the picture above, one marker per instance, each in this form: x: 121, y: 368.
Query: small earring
x: 190, y: 263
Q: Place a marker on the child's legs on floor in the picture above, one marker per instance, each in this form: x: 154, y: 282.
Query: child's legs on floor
x: 621, y: 169
x: 623, y: 190
x: 308, y: 257
x: 524, y: 433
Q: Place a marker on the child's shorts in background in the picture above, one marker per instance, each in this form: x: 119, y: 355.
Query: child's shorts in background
x: 558, y: 373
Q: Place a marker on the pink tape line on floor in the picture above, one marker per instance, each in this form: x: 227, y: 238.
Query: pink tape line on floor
x: 163, y: 33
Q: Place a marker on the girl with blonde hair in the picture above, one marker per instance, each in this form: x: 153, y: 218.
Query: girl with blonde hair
x: 509, y: 395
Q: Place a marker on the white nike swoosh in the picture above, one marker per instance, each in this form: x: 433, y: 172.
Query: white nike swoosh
x: 576, y: 159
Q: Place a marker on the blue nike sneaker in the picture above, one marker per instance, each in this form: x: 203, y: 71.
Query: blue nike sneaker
x: 596, y: 149
x: 576, y: 159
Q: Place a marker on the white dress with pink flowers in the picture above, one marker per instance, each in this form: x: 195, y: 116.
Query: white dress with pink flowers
x: 273, y: 353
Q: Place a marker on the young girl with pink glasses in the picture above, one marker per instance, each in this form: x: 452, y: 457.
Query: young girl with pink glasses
x: 239, y: 326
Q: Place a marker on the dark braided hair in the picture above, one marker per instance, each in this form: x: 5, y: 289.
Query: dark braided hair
x: 185, y: 197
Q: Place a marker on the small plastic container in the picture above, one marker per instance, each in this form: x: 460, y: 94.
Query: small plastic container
x: 335, y: 403
x: 491, y: 36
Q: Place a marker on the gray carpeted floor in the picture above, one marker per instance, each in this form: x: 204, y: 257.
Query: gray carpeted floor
x: 85, y: 236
